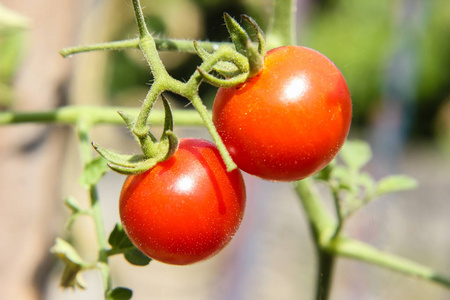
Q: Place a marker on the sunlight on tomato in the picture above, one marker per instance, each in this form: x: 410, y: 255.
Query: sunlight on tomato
x: 289, y: 121
x: 185, y: 209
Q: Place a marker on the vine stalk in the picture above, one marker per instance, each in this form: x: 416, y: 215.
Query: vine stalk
x: 83, y: 129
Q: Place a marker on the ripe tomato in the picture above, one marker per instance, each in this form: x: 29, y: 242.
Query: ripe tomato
x: 289, y: 121
x: 186, y: 208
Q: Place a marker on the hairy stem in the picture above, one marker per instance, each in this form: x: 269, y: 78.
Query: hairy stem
x: 71, y: 115
x: 162, y: 45
x: 201, y: 108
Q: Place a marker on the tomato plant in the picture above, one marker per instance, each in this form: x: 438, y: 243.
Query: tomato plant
x: 184, y: 209
x: 289, y: 121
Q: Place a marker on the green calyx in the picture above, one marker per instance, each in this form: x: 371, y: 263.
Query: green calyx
x: 153, y: 151
x: 234, y: 66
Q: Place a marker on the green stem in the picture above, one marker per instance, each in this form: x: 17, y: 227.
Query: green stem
x: 324, y: 274
x: 143, y: 31
x: 201, y: 108
x: 282, y: 30
x: 116, y: 45
x: 177, y: 45
x: 322, y: 228
x: 115, y: 251
x: 71, y: 115
x: 338, y: 207
x: 321, y: 223
x: 140, y: 129
x: 83, y: 128
x: 350, y: 248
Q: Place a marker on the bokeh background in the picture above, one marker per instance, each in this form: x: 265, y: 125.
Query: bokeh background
x: 395, y: 56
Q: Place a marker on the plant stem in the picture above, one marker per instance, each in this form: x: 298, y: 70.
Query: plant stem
x: 143, y: 31
x: 321, y: 223
x: 339, y: 214
x: 351, y: 248
x: 95, y: 115
x: 324, y: 275
x: 322, y: 229
x: 83, y: 128
x: 201, y: 108
x: 282, y: 29
x: 162, y: 45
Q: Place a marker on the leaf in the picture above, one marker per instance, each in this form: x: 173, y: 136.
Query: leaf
x: 93, y: 172
x: 73, y: 264
x: 119, y: 293
x: 136, y: 257
x: 118, y: 239
x: 342, y: 174
x: 356, y: 154
x: 395, y: 183
x: 366, y: 181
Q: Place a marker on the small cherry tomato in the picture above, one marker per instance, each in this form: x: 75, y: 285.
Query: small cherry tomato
x: 185, y: 209
x: 289, y: 121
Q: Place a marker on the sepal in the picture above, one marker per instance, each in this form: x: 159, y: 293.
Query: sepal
x: 140, y: 163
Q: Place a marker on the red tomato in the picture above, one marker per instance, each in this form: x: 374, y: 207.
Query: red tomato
x: 289, y: 121
x: 186, y: 208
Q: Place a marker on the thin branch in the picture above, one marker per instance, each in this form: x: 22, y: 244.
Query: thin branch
x: 95, y: 115
x: 350, y: 248
x: 162, y: 45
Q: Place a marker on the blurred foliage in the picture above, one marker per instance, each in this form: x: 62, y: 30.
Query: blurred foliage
x: 361, y: 37
x: 12, y: 45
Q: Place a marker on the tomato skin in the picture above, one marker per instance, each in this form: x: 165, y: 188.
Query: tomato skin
x: 288, y: 122
x: 185, y: 209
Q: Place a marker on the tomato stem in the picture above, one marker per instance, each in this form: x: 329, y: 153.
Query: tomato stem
x: 361, y: 251
x: 322, y: 229
x: 95, y: 115
x: 177, y: 45
x: 83, y: 128
x: 282, y: 29
x: 324, y: 274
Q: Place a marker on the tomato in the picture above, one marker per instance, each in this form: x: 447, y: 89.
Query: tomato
x: 184, y: 209
x: 289, y: 121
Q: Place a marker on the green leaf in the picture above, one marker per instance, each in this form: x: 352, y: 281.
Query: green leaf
x: 119, y: 293
x: 73, y: 264
x: 341, y: 174
x: 356, y: 154
x: 93, y: 172
x: 366, y: 181
x: 136, y: 257
x: 395, y: 183
x: 118, y: 238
